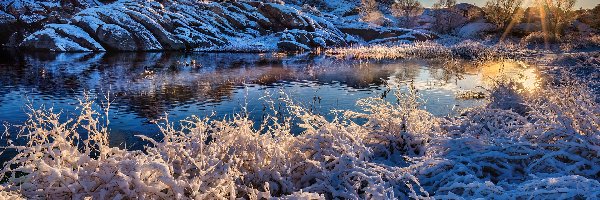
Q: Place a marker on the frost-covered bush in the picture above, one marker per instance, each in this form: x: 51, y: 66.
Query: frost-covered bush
x: 205, y: 159
x: 549, y: 151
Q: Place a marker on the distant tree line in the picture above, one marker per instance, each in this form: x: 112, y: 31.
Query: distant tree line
x: 555, y: 15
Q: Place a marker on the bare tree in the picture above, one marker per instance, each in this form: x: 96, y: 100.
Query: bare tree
x: 558, y: 14
x: 444, y: 4
x: 503, y: 12
x: 369, y: 12
x: 406, y: 11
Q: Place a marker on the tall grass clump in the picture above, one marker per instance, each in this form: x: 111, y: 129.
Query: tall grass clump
x: 549, y: 151
x: 471, y: 50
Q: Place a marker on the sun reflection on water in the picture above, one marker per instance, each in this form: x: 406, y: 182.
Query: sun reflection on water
x: 526, y: 77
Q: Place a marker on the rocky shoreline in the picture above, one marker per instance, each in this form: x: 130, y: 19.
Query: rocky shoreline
x: 228, y: 26
x: 244, y: 26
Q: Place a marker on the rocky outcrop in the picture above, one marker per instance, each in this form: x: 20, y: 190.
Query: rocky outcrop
x: 376, y: 35
x: 115, y: 37
x: 7, y: 22
x: 153, y: 25
x: 27, y: 16
x: 62, y: 37
x: 441, y: 20
x: 150, y: 26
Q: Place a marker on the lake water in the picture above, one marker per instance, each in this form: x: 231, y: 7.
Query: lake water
x: 147, y: 86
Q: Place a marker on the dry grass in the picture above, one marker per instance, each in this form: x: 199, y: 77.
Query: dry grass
x: 430, y: 50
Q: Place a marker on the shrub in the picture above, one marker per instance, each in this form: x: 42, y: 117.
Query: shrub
x: 503, y: 12
x: 558, y: 15
x: 446, y: 20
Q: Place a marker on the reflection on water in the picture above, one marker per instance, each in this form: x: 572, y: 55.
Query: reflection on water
x: 146, y: 86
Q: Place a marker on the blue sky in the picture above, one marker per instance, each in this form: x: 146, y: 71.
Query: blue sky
x: 580, y: 3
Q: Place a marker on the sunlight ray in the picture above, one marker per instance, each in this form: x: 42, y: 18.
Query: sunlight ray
x: 543, y: 20
x: 515, y: 19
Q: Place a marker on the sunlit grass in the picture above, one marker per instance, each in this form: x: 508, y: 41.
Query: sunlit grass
x: 470, y: 50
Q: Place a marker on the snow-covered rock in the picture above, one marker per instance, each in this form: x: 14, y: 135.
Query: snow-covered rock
x: 27, y: 16
x: 7, y: 22
x: 476, y: 29
x: 62, y: 37
x: 381, y: 34
x: 469, y: 11
x: 6, y: 18
x: 38, y: 11
x: 301, y: 40
x: 150, y: 25
x: 582, y: 27
x: 448, y: 19
x: 115, y: 37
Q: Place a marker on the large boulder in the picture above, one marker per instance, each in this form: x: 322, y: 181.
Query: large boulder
x: 301, y: 40
x: 39, y: 12
x: 28, y: 12
x: 446, y: 20
x: 476, y: 29
x: 469, y: 11
x: 283, y: 17
x: 150, y: 25
x: 372, y: 34
x: 61, y: 37
x: 6, y: 19
x: 426, y: 20
x: 114, y: 37
x: 7, y: 26
x: 28, y: 16
x: 582, y: 27
x: 524, y: 29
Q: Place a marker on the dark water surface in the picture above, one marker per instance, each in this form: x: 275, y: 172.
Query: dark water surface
x: 147, y: 86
